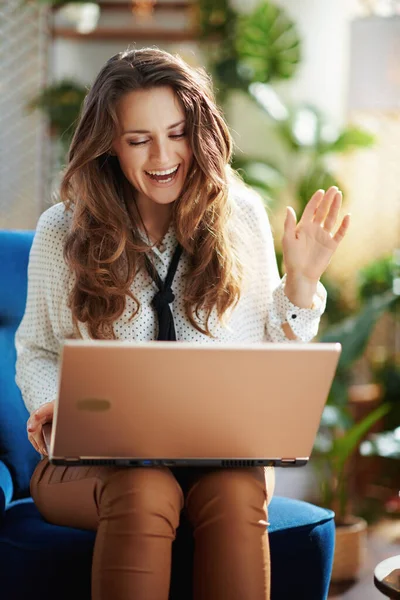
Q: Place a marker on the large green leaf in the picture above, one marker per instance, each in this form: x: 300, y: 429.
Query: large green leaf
x: 345, y: 444
x: 350, y: 139
x: 268, y: 44
x: 353, y: 333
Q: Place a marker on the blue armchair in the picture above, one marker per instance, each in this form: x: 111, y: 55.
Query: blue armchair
x: 41, y: 561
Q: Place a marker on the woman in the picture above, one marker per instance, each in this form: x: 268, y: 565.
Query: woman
x: 153, y: 219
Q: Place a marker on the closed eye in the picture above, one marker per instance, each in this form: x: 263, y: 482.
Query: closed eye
x: 176, y: 136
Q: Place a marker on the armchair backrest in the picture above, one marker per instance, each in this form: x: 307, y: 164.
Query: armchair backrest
x: 15, y: 449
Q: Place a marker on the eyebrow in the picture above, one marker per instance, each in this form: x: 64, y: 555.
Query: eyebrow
x: 145, y: 130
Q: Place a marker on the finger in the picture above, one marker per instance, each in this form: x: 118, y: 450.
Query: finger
x: 312, y: 205
x: 40, y: 416
x: 39, y: 440
x: 341, y: 232
x: 332, y: 215
x: 34, y: 443
x: 31, y: 424
x: 324, y: 205
x: 290, y: 221
x: 34, y: 422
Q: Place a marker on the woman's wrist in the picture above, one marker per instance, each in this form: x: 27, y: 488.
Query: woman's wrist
x: 300, y: 289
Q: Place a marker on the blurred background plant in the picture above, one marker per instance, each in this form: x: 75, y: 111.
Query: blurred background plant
x: 262, y: 46
x: 341, y: 433
x: 61, y: 102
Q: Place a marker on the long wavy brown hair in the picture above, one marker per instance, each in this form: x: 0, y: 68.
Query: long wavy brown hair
x: 103, y: 247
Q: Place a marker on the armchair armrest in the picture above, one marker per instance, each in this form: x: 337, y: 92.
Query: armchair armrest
x: 6, y: 488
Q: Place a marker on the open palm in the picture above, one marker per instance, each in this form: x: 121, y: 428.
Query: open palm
x: 309, y: 245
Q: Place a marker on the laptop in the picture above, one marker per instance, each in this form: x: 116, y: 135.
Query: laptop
x: 184, y: 404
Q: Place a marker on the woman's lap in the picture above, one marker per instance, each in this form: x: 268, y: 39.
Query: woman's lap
x: 71, y: 496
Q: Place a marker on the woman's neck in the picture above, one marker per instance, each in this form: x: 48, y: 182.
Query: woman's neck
x: 156, y: 218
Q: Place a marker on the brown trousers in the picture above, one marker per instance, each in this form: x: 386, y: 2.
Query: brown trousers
x: 135, y: 512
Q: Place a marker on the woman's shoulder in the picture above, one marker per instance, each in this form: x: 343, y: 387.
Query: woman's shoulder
x: 55, y: 221
x: 248, y: 204
x: 52, y: 227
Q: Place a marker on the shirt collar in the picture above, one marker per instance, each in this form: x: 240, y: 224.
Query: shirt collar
x: 166, y: 247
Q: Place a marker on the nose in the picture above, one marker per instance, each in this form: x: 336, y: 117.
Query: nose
x: 160, y: 152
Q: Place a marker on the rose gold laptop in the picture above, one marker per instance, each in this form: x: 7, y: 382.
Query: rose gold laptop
x: 163, y: 403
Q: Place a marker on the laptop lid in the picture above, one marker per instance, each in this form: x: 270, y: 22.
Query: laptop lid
x: 181, y: 403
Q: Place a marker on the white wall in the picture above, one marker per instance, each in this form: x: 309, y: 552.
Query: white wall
x: 324, y: 26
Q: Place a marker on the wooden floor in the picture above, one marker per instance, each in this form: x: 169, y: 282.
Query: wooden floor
x: 383, y: 542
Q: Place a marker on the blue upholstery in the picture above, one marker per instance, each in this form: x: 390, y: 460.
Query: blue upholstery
x: 6, y: 488
x: 15, y: 450
x: 41, y: 561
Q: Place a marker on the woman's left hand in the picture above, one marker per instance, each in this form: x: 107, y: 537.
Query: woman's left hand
x: 308, y: 246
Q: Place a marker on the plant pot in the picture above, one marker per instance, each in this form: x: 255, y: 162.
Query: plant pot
x: 350, y: 549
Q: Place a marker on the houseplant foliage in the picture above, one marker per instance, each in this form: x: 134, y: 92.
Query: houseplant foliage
x: 61, y: 102
x: 339, y: 437
x: 260, y: 47
x: 378, y: 277
x: 309, y: 140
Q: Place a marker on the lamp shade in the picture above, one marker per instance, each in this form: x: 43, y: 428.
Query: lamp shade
x: 375, y: 64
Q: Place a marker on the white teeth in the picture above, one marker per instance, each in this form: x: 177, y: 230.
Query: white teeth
x: 168, y: 172
x: 166, y: 180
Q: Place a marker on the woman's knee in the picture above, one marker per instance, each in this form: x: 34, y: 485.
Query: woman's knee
x: 234, y: 494
x: 139, y: 492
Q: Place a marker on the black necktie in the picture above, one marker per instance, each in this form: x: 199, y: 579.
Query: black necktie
x: 164, y: 296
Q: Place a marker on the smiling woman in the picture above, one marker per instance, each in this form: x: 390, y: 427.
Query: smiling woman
x: 150, y: 144
x: 153, y: 217
x: 153, y: 151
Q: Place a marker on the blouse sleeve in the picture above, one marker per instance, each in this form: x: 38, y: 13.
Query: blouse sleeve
x: 304, y: 322
x: 38, y: 339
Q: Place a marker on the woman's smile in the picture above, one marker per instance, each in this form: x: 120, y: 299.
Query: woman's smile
x: 165, y: 177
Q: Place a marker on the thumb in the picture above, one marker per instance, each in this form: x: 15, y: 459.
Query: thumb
x: 290, y: 220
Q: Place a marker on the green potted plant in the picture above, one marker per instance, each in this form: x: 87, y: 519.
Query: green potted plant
x: 340, y: 437
x: 61, y: 103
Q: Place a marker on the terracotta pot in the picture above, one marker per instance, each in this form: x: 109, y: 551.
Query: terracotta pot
x: 350, y: 549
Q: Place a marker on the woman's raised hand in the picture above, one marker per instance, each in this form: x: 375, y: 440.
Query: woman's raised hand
x: 308, y: 246
x: 44, y: 414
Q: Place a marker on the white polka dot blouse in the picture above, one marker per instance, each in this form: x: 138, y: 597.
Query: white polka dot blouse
x: 262, y: 309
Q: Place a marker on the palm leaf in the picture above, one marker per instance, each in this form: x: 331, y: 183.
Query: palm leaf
x: 268, y: 43
x: 354, y: 332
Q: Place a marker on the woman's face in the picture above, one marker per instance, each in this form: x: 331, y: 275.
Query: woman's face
x: 151, y: 145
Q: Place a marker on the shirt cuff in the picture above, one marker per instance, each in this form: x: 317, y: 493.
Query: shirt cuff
x: 304, y: 322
